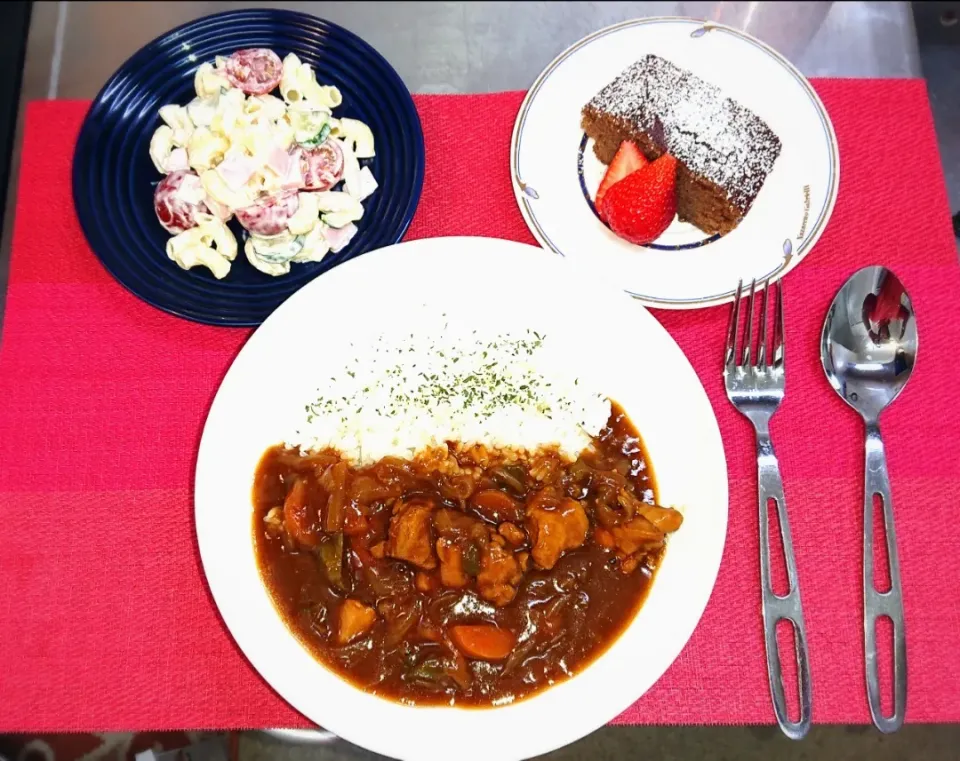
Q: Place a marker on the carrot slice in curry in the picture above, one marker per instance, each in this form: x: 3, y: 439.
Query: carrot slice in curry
x: 298, y: 517
x: 483, y: 642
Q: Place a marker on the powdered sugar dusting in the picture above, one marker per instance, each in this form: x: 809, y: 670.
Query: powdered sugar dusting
x: 712, y: 135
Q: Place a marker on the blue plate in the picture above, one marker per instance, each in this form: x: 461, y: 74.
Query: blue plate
x: 114, y: 178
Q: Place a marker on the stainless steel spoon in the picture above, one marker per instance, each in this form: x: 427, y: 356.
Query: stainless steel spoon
x: 868, y: 349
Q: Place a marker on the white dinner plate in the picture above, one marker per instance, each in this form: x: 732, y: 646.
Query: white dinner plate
x: 616, y: 345
x: 556, y: 174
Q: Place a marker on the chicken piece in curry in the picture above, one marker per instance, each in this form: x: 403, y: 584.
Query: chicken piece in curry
x: 464, y: 576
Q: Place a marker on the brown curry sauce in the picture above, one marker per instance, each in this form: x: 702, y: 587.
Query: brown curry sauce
x: 416, y: 582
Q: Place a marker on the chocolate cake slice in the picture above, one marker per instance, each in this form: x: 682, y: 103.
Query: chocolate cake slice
x: 724, y: 151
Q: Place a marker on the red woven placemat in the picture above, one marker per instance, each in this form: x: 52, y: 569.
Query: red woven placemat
x: 105, y: 618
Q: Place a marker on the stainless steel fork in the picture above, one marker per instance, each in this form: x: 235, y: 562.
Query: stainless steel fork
x: 756, y: 389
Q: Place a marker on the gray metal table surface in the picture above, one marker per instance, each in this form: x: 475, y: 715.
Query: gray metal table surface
x: 454, y: 47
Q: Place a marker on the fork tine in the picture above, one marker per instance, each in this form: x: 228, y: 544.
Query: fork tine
x: 748, y: 336
x: 732, y: 329
x: 762, y: 345
x: 778, y: 354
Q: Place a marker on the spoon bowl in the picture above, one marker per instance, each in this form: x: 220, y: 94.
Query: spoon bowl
x: 868, y: 349
x: 869, y: 341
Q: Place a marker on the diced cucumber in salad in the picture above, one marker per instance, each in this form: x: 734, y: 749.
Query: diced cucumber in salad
x: 319, y: 138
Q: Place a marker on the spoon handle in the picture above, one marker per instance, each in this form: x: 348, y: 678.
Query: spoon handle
x: 876, y: 603
x: 775, y: 607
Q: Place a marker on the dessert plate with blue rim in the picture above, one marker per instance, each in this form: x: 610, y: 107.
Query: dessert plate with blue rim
x: 114, y: 178
x: 556, y: 174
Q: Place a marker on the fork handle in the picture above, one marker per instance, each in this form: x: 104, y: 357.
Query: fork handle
x: 876, y: 603
x: 774, y: 606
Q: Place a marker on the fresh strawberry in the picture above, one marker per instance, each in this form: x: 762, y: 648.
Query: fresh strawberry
x: 628, y: 159
x: 643, y: 204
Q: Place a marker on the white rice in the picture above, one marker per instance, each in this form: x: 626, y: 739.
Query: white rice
x: 420, y: 391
